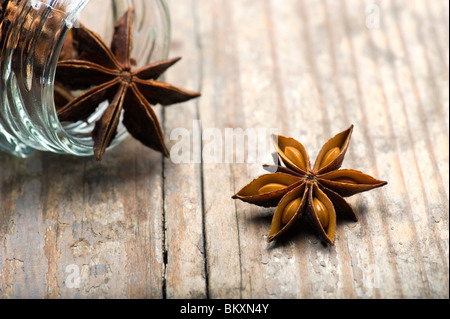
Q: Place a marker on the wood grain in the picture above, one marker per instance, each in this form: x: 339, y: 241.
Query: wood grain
x: 140, y: 226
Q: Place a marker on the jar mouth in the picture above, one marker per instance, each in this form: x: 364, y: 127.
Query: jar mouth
x: 30, y: 118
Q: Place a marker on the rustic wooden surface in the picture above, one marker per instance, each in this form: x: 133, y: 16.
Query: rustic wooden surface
x: 139, y: 226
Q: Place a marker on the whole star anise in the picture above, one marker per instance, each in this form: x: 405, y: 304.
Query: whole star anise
x: 300, y: 191
x: 107, y: 74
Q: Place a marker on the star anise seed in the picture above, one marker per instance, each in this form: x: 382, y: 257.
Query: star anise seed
x: 316, y: 194
x: 107, y: 74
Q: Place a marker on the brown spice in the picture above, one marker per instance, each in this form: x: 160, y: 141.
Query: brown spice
x: 4, y: 22
x: 315, y: 193
x: 108, y: 74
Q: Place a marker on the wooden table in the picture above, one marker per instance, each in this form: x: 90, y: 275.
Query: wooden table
x: 140, y: 226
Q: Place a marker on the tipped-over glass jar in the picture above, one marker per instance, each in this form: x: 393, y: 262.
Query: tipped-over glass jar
x: 32, y: 35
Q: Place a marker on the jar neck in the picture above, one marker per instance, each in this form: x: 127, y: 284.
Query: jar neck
x: 33, y: 35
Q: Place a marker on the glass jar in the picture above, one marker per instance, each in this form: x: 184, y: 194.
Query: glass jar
x: 31, y: 40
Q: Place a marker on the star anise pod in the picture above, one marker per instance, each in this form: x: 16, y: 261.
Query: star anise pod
x: 5, y: 21
x: 107, y: 74
x: 3, y: 5
x: 303, y: 193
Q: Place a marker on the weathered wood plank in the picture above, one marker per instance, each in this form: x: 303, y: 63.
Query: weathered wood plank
x: 220, y: 88
x: 186, y: 272
x: 93, y: 218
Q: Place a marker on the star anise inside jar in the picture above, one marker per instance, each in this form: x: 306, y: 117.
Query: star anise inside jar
x: 108, y: 75
x: 301, y: 192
